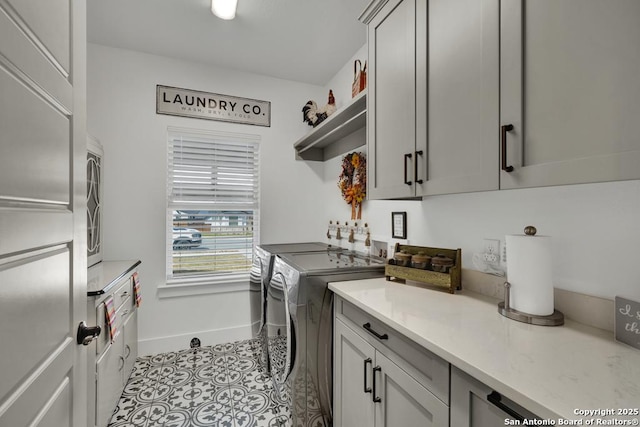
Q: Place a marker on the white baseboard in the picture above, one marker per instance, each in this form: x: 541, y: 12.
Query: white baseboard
x: 181, y: 342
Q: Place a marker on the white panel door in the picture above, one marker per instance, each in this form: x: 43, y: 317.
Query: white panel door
x: 570, y: 89
x: 42, y: 212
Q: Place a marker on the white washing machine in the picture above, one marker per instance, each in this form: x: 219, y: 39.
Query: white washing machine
x: 299, y: 328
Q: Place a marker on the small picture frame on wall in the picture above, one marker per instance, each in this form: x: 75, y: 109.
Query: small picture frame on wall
x: 399, y: 225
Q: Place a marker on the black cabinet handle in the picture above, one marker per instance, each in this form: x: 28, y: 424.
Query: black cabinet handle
x: 369, y: 329
x: 503, y: 141
x: 406, y: 157
x: 366, y: 362
x: 376, y: 399
x: 415, y: 168
x: 495, y: 398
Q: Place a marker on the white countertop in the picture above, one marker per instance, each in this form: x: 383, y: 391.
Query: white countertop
x: 551, y: 371
x: 102, y: 276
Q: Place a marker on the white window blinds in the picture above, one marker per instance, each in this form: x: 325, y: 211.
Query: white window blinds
x: 213, y: 203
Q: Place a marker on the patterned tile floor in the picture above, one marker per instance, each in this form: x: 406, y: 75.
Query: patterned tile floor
x: 219, y: 386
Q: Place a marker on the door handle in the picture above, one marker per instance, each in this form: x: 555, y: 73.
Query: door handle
x: 376, y: 399
x: 495, y: 398
x: 503, y: 142
x: 406, y: 157
x: 367, y: 361
x: 415, y: 168
x: 86, y: 334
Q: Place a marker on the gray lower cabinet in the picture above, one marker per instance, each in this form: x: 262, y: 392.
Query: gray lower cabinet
x: 112, y: 361
x: 474, y: 404
x: 108, y: 380
x: 130, y: 332
x: 377, y: 386
x: 353, y: 395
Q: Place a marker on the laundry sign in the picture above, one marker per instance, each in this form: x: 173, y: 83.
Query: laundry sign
x: 175, y: 101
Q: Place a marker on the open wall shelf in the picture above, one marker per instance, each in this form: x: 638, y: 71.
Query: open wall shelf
x: 344, y: 130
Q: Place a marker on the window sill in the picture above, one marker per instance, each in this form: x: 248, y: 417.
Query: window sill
x: 188, y: 287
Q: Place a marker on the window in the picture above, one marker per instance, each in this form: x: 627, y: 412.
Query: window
x: 212, y: 209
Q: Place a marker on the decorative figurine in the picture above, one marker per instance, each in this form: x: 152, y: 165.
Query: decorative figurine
x: 313, y: 115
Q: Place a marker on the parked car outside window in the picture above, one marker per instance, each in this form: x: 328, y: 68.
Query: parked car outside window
x: 186, y: 238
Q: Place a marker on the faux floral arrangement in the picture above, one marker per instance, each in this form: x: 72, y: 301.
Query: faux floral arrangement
x: 353, y: 182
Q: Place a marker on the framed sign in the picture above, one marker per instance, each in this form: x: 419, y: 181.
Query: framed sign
x: 399, y: 225
x: 627, y: 321
x: 174, y: 101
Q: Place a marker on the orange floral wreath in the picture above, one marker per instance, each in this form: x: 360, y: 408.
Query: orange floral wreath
x: 353, y: 181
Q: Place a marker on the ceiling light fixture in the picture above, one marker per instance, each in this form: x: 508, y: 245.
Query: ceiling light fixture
x: 224, y: 9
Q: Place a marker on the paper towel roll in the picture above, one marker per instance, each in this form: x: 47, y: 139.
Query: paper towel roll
x: 529, y: 273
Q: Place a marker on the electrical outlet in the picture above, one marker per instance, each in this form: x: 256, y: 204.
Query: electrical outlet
x: 491, y: 258
x: 492, y: 246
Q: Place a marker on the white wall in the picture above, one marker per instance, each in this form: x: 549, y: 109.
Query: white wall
x: 121, y: 114
x: 595, y: 227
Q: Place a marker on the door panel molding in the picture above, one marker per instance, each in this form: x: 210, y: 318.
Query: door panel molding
x: 59, y: 31
x: 46, y: 230
x: 17, y: 407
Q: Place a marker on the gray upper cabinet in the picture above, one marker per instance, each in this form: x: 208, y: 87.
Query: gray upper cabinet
x: 396, y: 99
x: 482, y: 95
x: 463, y: 96
x: 433, y: 97
x: 570, y: 87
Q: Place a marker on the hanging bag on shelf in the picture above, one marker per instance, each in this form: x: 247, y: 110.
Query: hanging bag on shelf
x: 359, y: 77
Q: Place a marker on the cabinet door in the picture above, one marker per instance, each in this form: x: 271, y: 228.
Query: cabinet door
x: 354, y: 358
x: 463, y: 97
x: 109, y: 370
x: 470, y: 406
x: 403, y: 400
x: 130, y: 332
x: 391, y: 100
x: 570, y: 88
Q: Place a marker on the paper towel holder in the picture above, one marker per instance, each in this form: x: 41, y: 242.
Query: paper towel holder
x: 555, y: 319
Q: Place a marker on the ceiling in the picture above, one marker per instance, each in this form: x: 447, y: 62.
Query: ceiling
x: 301, y: 40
